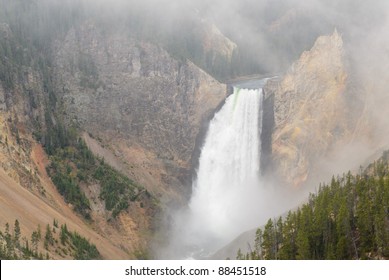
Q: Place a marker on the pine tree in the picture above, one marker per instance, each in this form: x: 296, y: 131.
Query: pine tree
x: 34, y: 241
x: 279, y: 235
x: 258, y: 244
x: 239, y: 255
x: 39, y: 232
x: 343, y: 231
x: 288, y: 249
x: 9, y: 241
x: 17, y: 234
x: 269, y: 245
x: 303, y: 233
x: 63, y: 234
x: 49, y: 239
x: 302, y: 242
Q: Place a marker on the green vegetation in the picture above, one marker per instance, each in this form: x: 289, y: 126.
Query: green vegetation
x: 74, y: 165
x: 62, y: 173
x: 116, y: 189
x: 72, y: 245
x: 346, y: 219
x: 36, y: 24
x: 27, y: 32
x: 83, y: 250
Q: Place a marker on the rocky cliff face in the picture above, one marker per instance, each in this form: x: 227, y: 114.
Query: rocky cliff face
x: 141, y: 109
x: 21, y: 110
x: 214, y: 41
x: 311, y: 110
x: 26, y: 191
x: 139, y: 102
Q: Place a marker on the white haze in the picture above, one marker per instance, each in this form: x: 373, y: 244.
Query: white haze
x: 364, y: 27
x: 229, y: 195
x: 228, y: 168
x: 274, y: 33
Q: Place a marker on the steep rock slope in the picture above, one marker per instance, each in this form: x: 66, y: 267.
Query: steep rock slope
x: 31, y: 210
x: 21, y: 108
x: 312, y: 111
x: 143, y: 110
x: 139, y: 102
x: 27, y: 193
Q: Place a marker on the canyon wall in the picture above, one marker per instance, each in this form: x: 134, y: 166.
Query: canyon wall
x: 314, y: 110
x: 143, y: 105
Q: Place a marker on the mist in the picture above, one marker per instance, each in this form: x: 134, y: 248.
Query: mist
x: 274, y: 35
x: 269, y: 36
x: 229, y: 195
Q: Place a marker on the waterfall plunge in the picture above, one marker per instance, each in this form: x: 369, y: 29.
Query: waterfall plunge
x: 226, y: 193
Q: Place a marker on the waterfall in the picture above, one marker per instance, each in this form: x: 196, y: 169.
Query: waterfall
x: 226, y: 191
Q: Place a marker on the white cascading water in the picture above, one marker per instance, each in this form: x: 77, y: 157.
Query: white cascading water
x: 226, y: 192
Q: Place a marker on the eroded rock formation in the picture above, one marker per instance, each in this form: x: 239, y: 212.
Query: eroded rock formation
x: 140, y: 102
x: 309, y: 109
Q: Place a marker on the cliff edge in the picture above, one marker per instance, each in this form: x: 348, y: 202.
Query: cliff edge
x: 142, y: 104
x: 309, y: 106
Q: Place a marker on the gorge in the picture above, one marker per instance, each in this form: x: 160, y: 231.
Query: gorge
x: 229, y: 166
x: 127, y: 124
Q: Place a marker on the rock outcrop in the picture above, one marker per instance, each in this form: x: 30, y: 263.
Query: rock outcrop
x: 310, y: 111
x: 141, y: 109
x: 21, y: 110
x: 138, y: 101
x: 215, y: 42
x: 26, y: 191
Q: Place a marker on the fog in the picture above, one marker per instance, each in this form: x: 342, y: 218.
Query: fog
x: 270, y: 35
x: 272, y: 32
x: 229, y: 195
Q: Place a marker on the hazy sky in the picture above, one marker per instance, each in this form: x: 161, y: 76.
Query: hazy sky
x: 274, y: 31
